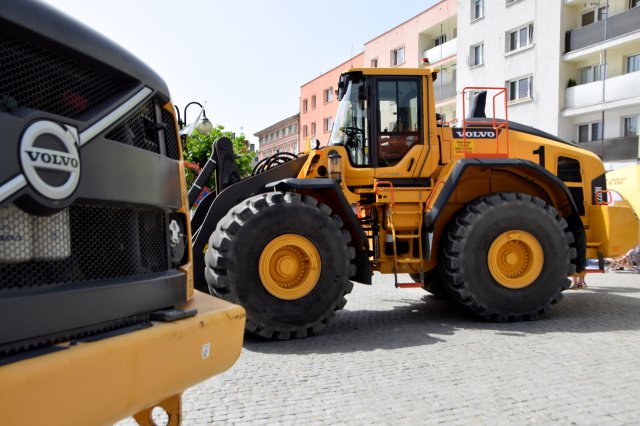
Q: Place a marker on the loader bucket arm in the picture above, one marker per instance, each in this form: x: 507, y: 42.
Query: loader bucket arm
x: 222, y: 163
x: 215, y: 206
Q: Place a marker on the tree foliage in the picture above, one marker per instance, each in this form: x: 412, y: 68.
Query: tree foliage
x: 197, y: 151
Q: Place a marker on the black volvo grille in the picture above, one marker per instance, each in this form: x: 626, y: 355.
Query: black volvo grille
x: 138, y: 129
x: 141, y: 129
x: 80, y: 244
x: 171, y: 140
x: 35, y: 77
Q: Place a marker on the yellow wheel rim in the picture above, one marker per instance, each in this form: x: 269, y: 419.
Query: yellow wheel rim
x: 290, y: 267
x: 515, y: 259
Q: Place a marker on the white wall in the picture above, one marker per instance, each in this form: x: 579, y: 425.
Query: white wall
x: 543, y: 57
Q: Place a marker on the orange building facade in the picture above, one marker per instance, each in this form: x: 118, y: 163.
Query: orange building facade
x: 318, y: 105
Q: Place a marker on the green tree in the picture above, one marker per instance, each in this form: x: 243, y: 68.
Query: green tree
x: 197, y: 151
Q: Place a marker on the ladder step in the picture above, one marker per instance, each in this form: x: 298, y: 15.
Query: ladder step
x: 409, y: 260
x: 409, y: 285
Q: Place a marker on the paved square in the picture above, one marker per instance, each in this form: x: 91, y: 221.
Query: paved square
x: 404, y: 357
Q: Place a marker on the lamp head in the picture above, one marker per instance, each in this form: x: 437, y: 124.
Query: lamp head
x: 204, y: 126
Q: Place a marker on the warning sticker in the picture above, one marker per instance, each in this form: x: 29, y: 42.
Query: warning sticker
x: 459, y: 146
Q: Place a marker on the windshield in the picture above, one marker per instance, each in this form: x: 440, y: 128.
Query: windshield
x: 350, y: 128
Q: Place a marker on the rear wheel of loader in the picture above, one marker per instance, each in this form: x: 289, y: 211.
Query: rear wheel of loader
x: 507, y: 257
x: 285, y: 258
x: 432, y: 283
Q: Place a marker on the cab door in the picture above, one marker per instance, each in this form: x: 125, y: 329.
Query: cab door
x: 397, y: 135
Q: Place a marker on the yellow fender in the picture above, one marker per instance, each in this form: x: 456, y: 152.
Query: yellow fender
x: 626, y: 182
x: 615, y: 228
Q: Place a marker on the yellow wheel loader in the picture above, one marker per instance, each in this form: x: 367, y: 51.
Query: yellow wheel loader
x: 493, y: 214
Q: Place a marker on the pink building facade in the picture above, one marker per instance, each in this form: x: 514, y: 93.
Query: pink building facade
x: 431, y: 34
x: 318, y: 105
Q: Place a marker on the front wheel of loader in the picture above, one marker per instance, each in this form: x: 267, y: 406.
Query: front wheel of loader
x: 507, y: 257
x: 285, y: 258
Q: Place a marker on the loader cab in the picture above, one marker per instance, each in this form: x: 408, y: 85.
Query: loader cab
x: 379, y: 118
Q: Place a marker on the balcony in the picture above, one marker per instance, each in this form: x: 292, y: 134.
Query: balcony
x: 618, y: 25
x: 444, y: 51
x: 444, y: 91
x: 620, y: 91
x: 614, y: 149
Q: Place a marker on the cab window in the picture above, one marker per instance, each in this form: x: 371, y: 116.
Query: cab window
x: 399, y: 119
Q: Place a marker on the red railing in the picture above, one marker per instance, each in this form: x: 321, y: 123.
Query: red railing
x: 496, y: 125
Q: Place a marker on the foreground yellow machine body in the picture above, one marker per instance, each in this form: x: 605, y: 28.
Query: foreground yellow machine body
x: 99, y: 319
x: 105, y: 381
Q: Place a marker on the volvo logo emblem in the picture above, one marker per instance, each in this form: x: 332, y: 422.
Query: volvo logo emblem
x: 481, y: 133
x: 50, y: 159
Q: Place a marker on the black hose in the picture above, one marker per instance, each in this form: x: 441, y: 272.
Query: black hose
x: 273, y: 161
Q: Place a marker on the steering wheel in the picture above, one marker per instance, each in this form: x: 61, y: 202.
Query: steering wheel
x: 351, y: 133
x: 351, y: 130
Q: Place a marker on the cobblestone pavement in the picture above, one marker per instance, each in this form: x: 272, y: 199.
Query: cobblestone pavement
x: 403, y: 357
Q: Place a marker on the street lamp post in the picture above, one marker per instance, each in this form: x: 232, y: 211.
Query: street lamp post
x: 204, y: 126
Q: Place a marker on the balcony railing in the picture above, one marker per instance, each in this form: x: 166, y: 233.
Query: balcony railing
x: 617, y: 25
x: 441, y: 52
x: 614, y: 149
x: 444, y: 91
x: 615, y: 88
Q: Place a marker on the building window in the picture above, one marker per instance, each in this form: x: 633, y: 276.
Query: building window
x: 305, y: 106
x: 476, y: 55
x: 313, y: 128
x: 328, y: 95
x: 630, y: 126
x: 397, y: 56
x: 519, y: 38
x: 520, y: 89
x: 589, y: 132
x: 305, y: 131
x: 633, y: 63
x: 313, y: 102
x: 327, y: 124
x: 374, y: 63
x: 477, y: 9
x: 441, y: 39
x: 594, y: 15
x: 592, y: 73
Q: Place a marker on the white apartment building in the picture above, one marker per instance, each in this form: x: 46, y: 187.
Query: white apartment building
x: 571, y: 67
x: 439, y: 44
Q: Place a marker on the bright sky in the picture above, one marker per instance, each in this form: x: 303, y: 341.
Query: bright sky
x: 246, y: 58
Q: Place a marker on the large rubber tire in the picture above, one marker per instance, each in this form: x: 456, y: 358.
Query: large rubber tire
x: 243, y: 237
x: 432, y: 283
x: 490, y: 222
